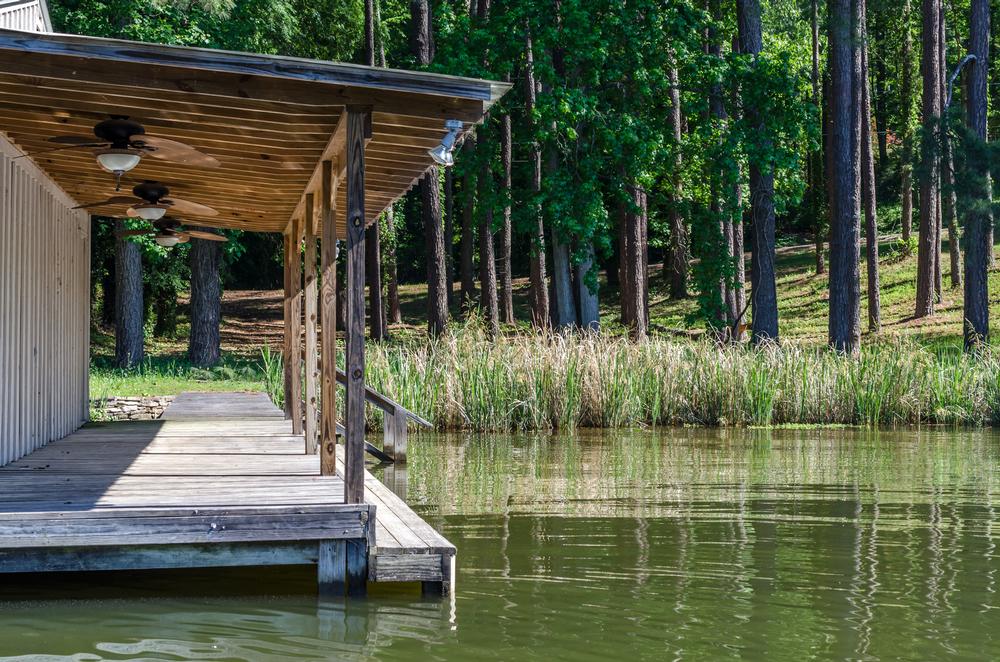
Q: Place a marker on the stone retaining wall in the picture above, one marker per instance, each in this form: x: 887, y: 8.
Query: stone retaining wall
x: 130, y: 408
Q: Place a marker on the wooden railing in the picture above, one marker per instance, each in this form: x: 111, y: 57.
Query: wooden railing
x: 394, y: 428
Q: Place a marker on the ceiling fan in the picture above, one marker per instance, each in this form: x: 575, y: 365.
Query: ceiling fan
x: 122, y: 142
x: 151, y: 201
x: 167, y: 232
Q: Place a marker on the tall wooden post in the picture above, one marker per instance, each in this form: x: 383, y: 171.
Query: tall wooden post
x: 311, y: 396
x: 295, y: 328
x: 328, y: 313
x: 286, y: 347
x: 358, y: 130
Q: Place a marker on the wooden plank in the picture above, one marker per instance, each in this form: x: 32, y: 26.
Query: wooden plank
x: 358, y: 129
x: 357, y: 568
x: 328, y: 312
x: 332, y: 572
x: 406, y: 568
x: 151, y: 557
x: 311, y: 319
x: 286, y: 318
x: 295, y: 326
x: 189, y: 60
x: 204, y: 527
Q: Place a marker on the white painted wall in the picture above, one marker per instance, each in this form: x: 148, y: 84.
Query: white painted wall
x: 44, y: 308
x: 27, y: 15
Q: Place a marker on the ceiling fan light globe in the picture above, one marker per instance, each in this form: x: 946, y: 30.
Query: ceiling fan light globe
x: 118, y: 160
x: 150, y: 213
x: 167, y: 240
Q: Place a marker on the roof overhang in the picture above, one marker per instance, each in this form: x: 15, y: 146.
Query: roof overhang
x: 269, y: 120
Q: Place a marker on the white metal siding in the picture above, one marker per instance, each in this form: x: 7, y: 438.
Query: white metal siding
x: 44, y: 309
x: 27, y: 15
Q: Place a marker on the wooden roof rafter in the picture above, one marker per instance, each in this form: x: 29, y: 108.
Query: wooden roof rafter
x: 270, y: 121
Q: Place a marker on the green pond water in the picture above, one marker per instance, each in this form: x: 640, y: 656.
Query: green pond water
x: 668, y: 545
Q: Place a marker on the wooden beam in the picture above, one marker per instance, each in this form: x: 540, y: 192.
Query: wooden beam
x: 328, y: 312
x: 332, y: 572
x: 286, y: 318
x: 311, y: 397
x: 333, y: 151
x: 184, y: 64
x: 358, y: 130
x: 295, y: 267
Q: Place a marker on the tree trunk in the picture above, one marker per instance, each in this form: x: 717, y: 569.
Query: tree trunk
x: 949, y: 212
x: 929, y: 176
x: 906, y: 133
x: 816, y: 184
x: 392, y: 286
x: 466, y: 258
x: 487, y: 257
x: 129, y: 350
x: 675, y: 262
x: 845, y: 129
x: 395, y: 316
x: 764, y: 293
x: 942, y: 83
x: 739, y: 273
x: 422, y: 42
x: 449, y: 234
x: 108, y: 298
x: 978, y: 242
x: 948, y: 203
x: 373, y: 274
x: 590, y: 315
x: 537, y: 275
x: 437, y: 292
x: 878, y: 106
x: 565, y: 307
x: 868, y: 179
x: 506, y: 278
x: 206, y: 301
x: 633, y: 288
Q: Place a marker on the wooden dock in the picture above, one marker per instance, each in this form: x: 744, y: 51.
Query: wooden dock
x: 220, y: 480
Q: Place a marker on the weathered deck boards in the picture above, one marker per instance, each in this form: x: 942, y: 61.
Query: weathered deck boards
x: 220, y: 473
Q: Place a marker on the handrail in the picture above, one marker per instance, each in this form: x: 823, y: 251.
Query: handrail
x: 386, y: 404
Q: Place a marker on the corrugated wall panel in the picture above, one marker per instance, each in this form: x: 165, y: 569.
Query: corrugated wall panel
x: 27, y: 15
x: 44, y: 309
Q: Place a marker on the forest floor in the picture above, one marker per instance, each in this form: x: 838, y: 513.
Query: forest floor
x: 252, y: 320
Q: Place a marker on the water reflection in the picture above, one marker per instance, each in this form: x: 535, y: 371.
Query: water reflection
x: 683, y: 544
x: 767, y: 545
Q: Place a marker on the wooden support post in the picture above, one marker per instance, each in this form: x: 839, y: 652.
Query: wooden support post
x: 357, y: 568
x: 394, y: 435
x: 311, y: 397
x: 328, y: 313
x: 286, y: 348
x: 332, y: 573
x: 295, y: 330
x: 359, y: 128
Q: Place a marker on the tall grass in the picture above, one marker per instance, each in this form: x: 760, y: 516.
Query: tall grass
x: 529, y: 382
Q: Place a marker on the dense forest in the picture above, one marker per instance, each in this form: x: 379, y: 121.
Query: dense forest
x: 636, y: 132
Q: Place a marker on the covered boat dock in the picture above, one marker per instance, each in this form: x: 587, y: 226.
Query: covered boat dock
x: 314, y: 150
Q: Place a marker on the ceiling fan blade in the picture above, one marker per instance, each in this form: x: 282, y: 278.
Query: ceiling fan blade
x: 134, y: 233
x: 77, y: 141
x: 185, y: 207
x: 177, y: 152
x: 209, y: 236
x: 61, y: 149
x: 114, y: 200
